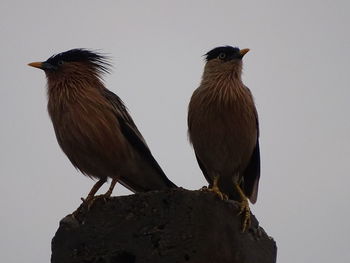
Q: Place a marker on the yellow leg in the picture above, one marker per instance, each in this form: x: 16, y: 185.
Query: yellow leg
x: 110, y: 189
x: 93, y: 191
x: 216, y: 190
x: 244, y: 208
x: 91, y: 198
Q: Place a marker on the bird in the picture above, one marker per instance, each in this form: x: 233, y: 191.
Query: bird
x: 223, y: 129
x: 93, y: 127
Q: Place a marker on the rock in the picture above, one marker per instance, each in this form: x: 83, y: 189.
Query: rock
x: 161, y: 227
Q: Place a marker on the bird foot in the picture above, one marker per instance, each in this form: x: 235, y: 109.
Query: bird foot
x: 217, y: 191
x: 245, y: 212
x: 89, y: 201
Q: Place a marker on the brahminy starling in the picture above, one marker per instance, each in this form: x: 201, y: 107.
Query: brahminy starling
x: 224, y: 131
x: 94, y: 128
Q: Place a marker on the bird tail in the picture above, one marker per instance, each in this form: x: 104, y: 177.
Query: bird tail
x: 147, y: 181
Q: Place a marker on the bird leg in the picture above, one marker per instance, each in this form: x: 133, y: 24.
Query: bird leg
x: 91, y: 198
x: 110, y: 189
x: 215, y: 188
x: 244, y: 207
x: 93, y: 190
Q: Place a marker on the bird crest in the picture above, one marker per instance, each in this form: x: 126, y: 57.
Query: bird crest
x: 99, y: 61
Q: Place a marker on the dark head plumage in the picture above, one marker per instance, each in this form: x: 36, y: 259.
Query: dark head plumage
x: 226, y: 53
x: 98, y: 61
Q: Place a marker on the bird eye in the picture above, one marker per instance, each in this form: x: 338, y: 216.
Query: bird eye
x: 60, y: 62
x: 222, y: 55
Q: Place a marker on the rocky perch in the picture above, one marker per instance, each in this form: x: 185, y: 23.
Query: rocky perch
x: 161, y: 227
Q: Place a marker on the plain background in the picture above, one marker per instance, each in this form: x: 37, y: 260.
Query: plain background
x: 298, y: 71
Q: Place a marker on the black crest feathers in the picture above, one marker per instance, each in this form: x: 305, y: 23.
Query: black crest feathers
x: 97, y: 60
x: 225, y: 53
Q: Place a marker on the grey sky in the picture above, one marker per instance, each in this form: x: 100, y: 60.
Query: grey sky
x: 298, y: 71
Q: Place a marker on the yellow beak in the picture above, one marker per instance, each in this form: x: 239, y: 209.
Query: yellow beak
x: 36, y: 65
x: 244, y: 51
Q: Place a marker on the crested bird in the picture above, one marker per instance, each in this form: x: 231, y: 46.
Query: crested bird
x: 94, y: 128
x: 223, y: 129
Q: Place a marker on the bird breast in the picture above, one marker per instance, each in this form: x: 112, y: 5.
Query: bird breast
x: 222, y: 126
x: 88, y: 132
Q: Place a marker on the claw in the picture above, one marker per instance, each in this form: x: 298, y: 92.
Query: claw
x: 245, y: 212
x: 215, y: 189
x: 90, y: 201
x: 91, y: 198
x: 204, y: 188
x: 244, y: 208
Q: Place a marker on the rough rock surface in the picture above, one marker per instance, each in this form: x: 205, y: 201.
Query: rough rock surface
x: 163, y: 226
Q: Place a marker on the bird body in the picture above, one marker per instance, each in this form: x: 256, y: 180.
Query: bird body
x: 223, y: 126
x: 93, y: 127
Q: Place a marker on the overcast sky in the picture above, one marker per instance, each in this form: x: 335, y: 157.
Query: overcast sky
x: 297, y: 70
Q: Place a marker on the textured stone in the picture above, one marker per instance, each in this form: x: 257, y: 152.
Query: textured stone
x: 163, y: 226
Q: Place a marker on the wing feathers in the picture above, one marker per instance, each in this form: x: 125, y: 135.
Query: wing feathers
x: 133, y: 135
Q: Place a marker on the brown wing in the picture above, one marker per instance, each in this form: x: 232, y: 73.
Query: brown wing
x: 133, y: 135
x: 252, y: 175
x: 252, y: 172
x: 189, y: 125
x: 204, y: 171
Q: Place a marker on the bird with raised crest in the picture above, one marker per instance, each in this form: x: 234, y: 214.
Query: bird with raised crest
x: 224, y: 131
x: 94, y: 128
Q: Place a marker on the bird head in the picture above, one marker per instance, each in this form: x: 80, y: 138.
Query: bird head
x: 72, y: 62
x: 225, y: 59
